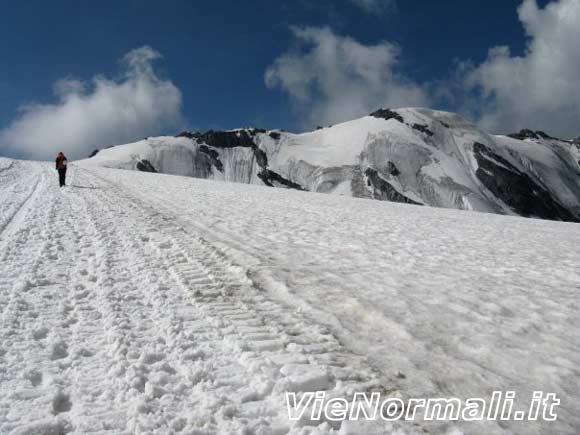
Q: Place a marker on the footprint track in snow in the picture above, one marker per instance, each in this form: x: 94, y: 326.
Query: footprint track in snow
x: 277, y: 348
x: 152, y: 328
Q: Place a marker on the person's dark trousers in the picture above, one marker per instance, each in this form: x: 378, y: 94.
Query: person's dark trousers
x: 62, y: 177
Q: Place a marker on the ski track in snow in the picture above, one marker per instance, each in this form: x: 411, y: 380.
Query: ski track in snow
x: 444, y: 303
x: 117, y: 320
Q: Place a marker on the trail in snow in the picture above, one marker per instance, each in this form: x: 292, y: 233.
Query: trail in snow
x: 12, y: 187
x: 444, y: 303
x: 117, y: 319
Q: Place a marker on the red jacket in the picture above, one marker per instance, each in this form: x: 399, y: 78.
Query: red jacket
x: 61, y: 162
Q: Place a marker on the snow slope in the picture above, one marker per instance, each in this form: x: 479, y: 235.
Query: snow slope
x: 147, y: 303
x: 407, y: 155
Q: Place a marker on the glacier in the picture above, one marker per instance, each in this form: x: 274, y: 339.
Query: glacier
x: 139, y: 303
x: 411, y: 155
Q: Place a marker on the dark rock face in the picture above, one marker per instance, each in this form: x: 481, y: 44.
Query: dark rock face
x: 261, y: 157
x: 272, y: 179
x: 255, y: 131
x: 422, y: 128
x: 383, y: 190
x: 391, y: 114
x: 530, y: 134
x: 444, y: 124
x: 214, y: 157
x: 392, y: 169
x: 145, y: 166
x: 212, y: 140
x: 93, y: 154
x: 226, y: 139
x: 517, y: 189
x: 388, y: 114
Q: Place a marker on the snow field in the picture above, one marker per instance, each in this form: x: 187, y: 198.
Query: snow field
x: 444, y: 303
x: 117, y: 320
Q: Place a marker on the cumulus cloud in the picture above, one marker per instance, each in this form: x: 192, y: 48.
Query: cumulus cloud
x: 332, y: 78
x: 376, y: 7
x: 102, y: 112
x: 540, y: 89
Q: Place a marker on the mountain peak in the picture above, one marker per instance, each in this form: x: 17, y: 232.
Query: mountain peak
x: 387, y: 114
x: 531, y: 134
x: 424, y: 156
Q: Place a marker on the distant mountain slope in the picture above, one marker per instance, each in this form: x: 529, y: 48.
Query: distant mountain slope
x: 413, y: 155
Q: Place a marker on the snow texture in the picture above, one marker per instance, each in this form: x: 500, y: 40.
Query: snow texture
x: 136, y: 303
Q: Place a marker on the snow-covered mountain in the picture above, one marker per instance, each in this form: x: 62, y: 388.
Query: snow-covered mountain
x: 412, y: 155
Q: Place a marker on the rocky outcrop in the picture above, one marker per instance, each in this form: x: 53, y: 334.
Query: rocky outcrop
x: 392, y: 169
x: 530, y: 134
x: 261, y: 157
x: 214, y: 157
x: 422, y: 128
x: 517, y: 189
x: 387, y: 114
x: 272, y: 179
x: 145, y: 166
x: 383, y: 190
x: 226, y: 139
x: 213, y: 141
x: 269, y: 177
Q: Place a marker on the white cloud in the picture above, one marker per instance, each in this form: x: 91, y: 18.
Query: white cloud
x: 332, y: 78
x: 540, y: 89
x: 376, y: 7
x: 97, y: 114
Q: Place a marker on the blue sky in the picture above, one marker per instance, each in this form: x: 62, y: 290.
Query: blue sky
x: 216, y: 55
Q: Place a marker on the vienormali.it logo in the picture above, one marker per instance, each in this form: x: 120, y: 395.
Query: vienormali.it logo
x: 315, y: 406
